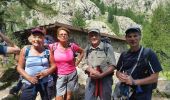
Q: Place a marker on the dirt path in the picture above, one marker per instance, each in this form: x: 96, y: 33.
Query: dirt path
x: 4, y: 93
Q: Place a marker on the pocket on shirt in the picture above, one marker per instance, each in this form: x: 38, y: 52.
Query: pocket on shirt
x: 101, y: 55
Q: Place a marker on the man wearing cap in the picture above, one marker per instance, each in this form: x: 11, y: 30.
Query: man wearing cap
x: 138, y: 67
x: 99, y: 64
x: 35, y: 65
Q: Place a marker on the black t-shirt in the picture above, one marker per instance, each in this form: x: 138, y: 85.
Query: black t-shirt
x: 147, y: 65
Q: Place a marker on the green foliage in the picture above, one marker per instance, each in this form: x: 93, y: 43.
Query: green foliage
x: 102, y: 8
x: 100, y: 5
x: 115, y: 25
x: 110, y: 15
x: 34, y: 22
x: 156, y: 34
x: 15, y: 13
x: 165, y: 74
x: 78, y: 19
x: 138, y: 18
x: 97, y: 2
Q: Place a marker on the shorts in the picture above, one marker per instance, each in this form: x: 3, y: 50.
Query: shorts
x: 66, y: 83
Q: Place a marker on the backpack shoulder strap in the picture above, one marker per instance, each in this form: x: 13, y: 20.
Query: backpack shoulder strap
x: 146, y: 52
x: 87, y: 50
x: 54, y: 47
x: 27, y: 49
x: 47, y: 53
x: 72, y: 48
x: 106, y: 48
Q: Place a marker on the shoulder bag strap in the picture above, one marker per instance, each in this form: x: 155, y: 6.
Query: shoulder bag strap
x: 137, y: 61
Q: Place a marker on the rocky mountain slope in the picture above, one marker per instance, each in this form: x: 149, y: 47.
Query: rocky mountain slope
x: 65, y: 11
x: 67, y: 8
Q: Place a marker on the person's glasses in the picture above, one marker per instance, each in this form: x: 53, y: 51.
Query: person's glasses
x: 62, y: 35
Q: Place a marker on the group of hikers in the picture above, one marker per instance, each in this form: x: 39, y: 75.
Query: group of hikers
x: 43, y: 67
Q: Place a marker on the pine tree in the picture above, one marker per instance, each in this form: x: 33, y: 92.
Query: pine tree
x: 78, y: 19
x: 102, y: 8
x: 156, y: 34
x: 110, y: 15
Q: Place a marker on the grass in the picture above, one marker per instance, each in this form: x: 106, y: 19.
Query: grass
x: 165, y: 74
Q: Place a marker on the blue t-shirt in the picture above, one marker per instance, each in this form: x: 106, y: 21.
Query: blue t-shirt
x: 3, y: 49
x: 147, y: 65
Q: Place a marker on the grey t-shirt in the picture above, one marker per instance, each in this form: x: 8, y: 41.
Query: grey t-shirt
x: 98, y: 57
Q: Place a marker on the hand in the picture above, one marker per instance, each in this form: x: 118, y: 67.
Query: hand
x: 94, y: 74
x: 17, y: 49
x: 130, y: 80
x: 121, y: 76
x: 33, y: 79
x: 41, y: 75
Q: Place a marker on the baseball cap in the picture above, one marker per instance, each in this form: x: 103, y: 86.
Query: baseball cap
x: 95, y: 30
x: 133, y: 29
x: 37, y: 30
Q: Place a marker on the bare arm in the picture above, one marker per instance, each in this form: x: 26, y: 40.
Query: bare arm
x: 13, y: 49
x: 109, y: 71
x: 148, y: 80
x: 51, y: 68
x: 20, y: 68
x: 80, y: 57
x: 129, y: 80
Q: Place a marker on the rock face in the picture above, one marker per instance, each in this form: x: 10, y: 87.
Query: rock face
x: 164, y: 86
x: 87, y: 7
x: 66, y: 8
x: 124, y: 23
x: 142, y: 6
x: 99, y: 25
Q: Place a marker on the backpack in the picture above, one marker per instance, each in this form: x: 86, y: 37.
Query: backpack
x: 106, y: 41
x: 46, y: 53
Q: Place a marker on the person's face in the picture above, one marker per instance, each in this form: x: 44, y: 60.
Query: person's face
x: 37, y: 39
x: 94, y: 38
x: 133, y: 39
x: 62, y: 36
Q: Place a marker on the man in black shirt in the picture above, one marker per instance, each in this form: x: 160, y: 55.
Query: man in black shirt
x: 138, y: 67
